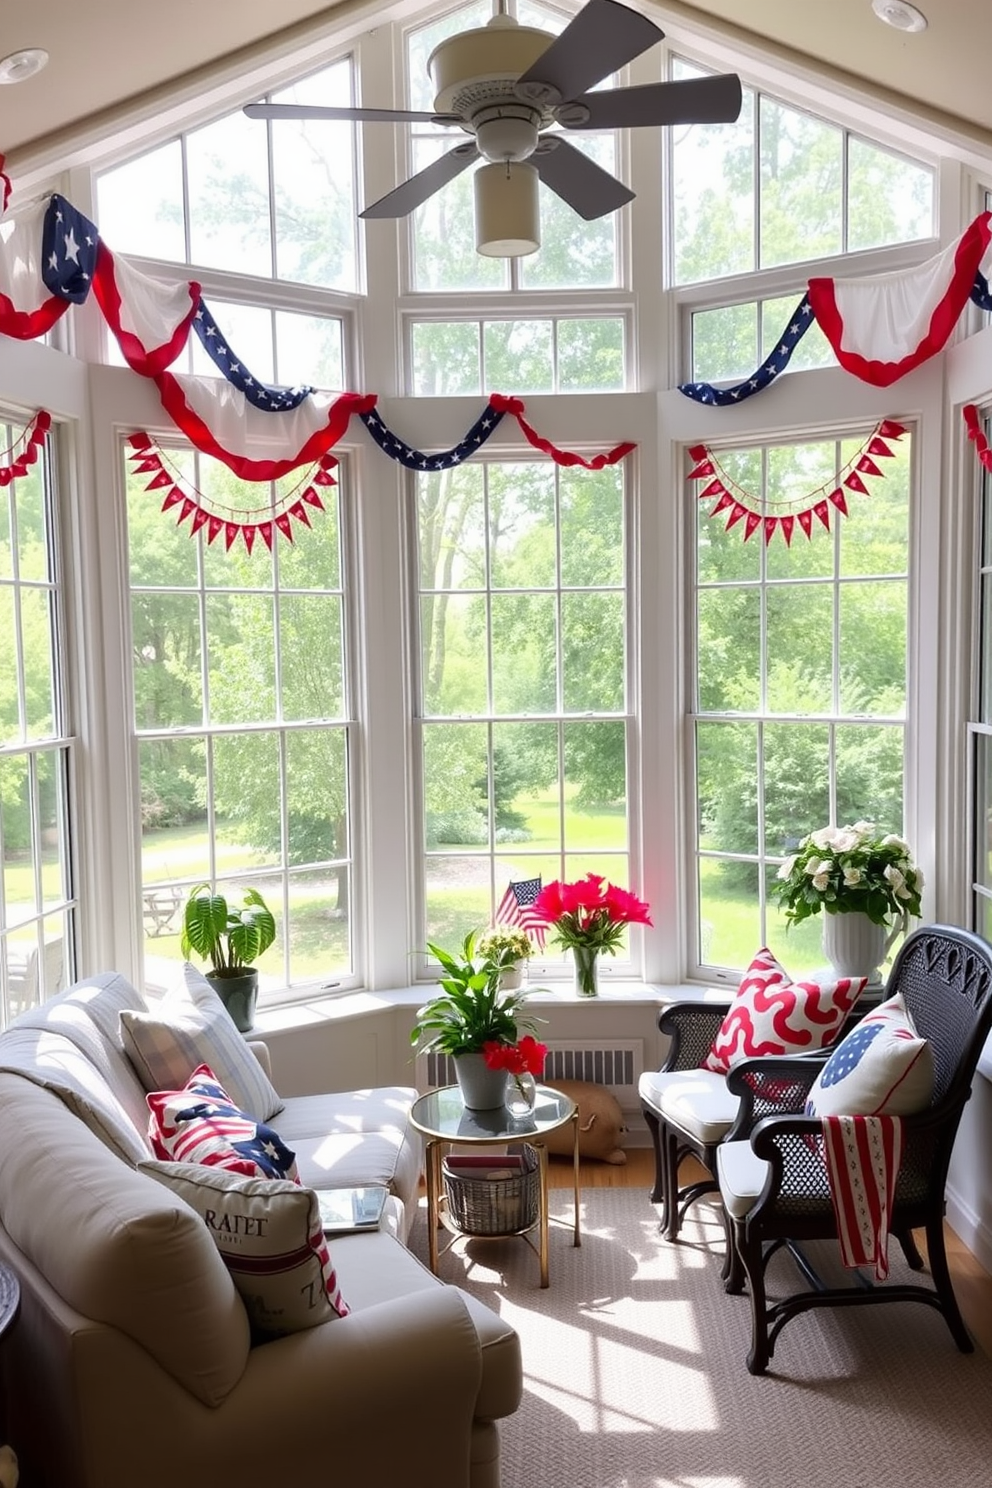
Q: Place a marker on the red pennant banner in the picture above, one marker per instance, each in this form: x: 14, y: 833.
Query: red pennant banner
x: 24, y: 450
x: 977, y: 435
x: 147, y: 459
x: 802, y: 509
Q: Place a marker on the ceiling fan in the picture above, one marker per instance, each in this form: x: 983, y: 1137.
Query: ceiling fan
x: 508, y: 86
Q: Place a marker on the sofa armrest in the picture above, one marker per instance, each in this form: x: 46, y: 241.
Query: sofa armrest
x: 261, y: 1053
x: 357, y: 1392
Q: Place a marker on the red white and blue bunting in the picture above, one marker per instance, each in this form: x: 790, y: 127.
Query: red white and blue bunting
x: 738, y: 505
x: 52, y: 257
x: 882, y: 327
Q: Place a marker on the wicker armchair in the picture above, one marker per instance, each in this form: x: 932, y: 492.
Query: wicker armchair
x: 771, y: 1170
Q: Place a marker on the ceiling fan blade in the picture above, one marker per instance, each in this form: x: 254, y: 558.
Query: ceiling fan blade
x: 414, y: 192
x: 579, y: 181
x: 705, y: 100
x: 603, y: 36
x: 356, y: 115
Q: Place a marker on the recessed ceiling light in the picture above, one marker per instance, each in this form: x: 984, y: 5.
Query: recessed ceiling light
x: 22, y: 65
x: 900, y: 15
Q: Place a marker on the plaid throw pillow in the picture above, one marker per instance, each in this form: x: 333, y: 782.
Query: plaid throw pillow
x: 269, y: 1236
x: 192, y: 1027
x: 201, y: 1124
x: 771, y: 1014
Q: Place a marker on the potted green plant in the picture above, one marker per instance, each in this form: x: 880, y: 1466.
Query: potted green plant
x: 469, y: 1013
x: 509, y: 947
x: 230, y: 938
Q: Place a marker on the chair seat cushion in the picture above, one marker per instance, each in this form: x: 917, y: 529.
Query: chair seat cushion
x: 697, y: 1102
x: 741, y: 1177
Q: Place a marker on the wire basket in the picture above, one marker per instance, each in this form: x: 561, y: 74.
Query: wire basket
x: 499, y: 1195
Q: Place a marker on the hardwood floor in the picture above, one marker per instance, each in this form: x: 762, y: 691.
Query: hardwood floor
x: 972, y: 1283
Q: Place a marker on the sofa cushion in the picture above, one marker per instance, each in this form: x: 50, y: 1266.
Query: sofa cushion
x: 376, y: 1269
x: 771, y: 1014
x: 55, y: 1062
x: 201, y: 1124
x: 116, y: 1247
x: 269, y: 1236
x: 353, y: 1137
x: 88, y: 1015
x: 191, y: 1026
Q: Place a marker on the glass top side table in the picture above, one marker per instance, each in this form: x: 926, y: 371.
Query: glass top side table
x: 441, y: 1116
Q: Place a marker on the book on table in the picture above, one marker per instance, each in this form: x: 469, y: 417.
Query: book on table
x: 351, y: 1208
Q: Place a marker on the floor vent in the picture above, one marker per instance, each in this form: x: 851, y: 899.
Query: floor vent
x: 617, y: 1065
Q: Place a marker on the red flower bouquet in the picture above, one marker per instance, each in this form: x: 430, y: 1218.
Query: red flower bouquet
x: 590, y: 913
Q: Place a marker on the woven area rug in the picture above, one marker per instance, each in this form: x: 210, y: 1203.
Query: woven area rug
x: 634, y: 1372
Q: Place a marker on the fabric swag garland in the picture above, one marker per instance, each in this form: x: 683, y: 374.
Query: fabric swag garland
x: 739, y: 505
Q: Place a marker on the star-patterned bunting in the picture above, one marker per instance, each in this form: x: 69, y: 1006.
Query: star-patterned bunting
x: 415, y: 459
x: 271, y: 399
x: 774, y: 364
x: 68, y: 251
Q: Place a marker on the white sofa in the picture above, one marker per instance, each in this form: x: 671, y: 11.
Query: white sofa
x: 131, y: 1359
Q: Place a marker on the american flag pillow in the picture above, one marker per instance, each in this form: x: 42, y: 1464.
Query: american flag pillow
x: 771, y: 1014
x: 201, y: 1124
x: 882, y: 1068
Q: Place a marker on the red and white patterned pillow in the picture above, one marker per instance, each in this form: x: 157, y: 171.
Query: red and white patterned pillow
x: 771, y: 1014
x: 201, y: 1124
x: 270, y: 1238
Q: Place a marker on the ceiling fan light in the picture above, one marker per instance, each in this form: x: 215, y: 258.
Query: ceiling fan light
x: 507, y: 211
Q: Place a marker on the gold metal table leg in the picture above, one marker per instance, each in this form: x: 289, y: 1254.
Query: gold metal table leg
x: 577, y: 1240
x: 542, y: 1158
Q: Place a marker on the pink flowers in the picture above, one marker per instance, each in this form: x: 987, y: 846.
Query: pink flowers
x: 524, y: 1057
x: 590, y: 912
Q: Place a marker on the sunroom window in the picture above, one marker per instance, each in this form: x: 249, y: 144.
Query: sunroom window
x: 561, y: 354
x: 799, y: 684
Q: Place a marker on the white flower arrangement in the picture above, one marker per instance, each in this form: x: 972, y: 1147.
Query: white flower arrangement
x: 850, y: 870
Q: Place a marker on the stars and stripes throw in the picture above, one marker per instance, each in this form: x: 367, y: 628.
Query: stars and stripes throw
x: 862, y: 1155
x: 517, y: 908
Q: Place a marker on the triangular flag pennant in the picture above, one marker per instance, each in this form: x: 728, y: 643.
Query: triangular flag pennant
x: 322, y: 478
x: 770, y: 524
x: 806, y: 522
x: 698, y: 452
x: 163, y: 478
x: 285, y: 525
x: 822, y: 510
x: 231, y: 530
x: 248, y: 533
x: 705, y: 467
x: 715, y: 488
x: 172, y: 497
x: 853, y: 482
x: 737, y: 512
x: 145, y: 464
x: 214, y: 526
x: 753, y: 521
x: 889, y: 429
x: 879, y: 447
x: 186, y: 510
x: 312, y: 499
x: 725, y: 500
x: 787, y: 524
x: 139, y: 440
x: 867, y: 466
x: 839, y: 500
x: 200, y: 519
x: 299, y: 511
x: 265, y: 529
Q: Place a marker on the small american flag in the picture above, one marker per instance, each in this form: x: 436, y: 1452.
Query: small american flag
x: 516, y: 908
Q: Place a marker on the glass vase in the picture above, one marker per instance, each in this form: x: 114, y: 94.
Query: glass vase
x: 521, y: 1094
x: 585, y: 971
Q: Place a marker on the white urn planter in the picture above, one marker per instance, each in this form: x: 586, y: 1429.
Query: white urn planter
x: 855, y: 946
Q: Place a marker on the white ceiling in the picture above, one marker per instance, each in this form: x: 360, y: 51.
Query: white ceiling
x: 106, y: 54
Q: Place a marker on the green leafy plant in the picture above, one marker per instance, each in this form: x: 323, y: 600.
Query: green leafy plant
x: 230, y: 938
x: 471, y: 1010
x: 850, y: 870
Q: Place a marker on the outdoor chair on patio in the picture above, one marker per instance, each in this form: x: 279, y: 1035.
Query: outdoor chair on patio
x: 773, y: 1170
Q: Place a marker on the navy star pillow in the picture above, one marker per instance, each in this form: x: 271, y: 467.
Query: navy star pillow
x: 882, y: 1068
x: 201, y: 1124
